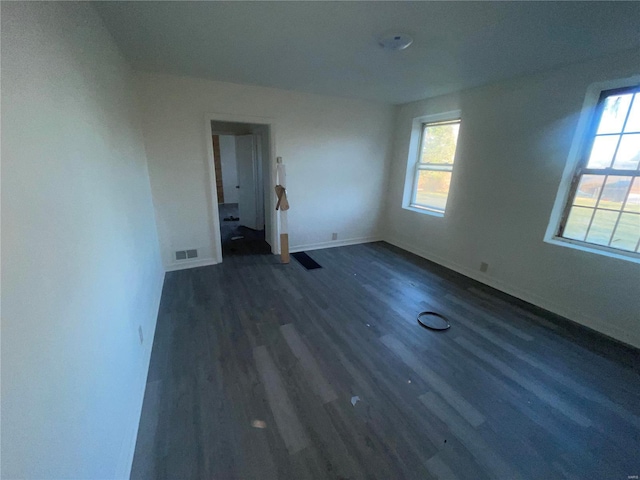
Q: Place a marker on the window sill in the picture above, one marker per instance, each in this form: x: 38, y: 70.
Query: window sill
x: 419, y: 209
x: 598, y: 250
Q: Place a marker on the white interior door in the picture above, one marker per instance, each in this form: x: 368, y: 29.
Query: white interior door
x: 247, y: 181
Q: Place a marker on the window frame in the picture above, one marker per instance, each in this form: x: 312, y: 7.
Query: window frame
x: 581, y: 169
x: 418, y: 165
x: 581, y: 137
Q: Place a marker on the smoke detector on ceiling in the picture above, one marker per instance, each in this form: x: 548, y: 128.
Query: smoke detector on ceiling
x: 395, y: 41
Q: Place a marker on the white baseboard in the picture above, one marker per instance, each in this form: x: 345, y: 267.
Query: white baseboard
x: 334, y: 243
x: 129, y: 444
x: 530, y: 297
x: 204, y: 262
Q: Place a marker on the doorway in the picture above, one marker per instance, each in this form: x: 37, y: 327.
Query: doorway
x: 241, y: 154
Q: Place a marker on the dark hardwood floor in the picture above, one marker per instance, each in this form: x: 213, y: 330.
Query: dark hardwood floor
x: 255, y: 367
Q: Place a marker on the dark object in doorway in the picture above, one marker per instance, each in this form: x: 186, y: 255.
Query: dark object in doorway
x: 231, y: 218
x: 305, y: 260
x: 433, y: 321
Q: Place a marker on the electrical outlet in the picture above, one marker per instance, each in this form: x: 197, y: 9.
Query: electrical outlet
x: 140, y: 334
x: 484, y: 267
x: 334, y: 236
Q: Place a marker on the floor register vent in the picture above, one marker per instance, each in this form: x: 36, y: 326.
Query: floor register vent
x: 186, y: 254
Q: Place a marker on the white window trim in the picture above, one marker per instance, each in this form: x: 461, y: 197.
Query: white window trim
x: 415, y: 141
x: 580, y: 138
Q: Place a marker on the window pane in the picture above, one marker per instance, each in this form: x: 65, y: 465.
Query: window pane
x: 633, y: 122
x: 589, y: 190
x: 628, y: 155
x: 577, y: 223
x: 433, y: 188
x: 602, y: 227
x: 614, y: 113
x: 605, y: 205
x: 614, y: 192
x: 439, y: 143
x: 627, y: 232
x: 633, y: 199
x: 602, y: 151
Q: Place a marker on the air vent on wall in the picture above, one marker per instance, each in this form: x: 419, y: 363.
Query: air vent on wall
x: 186, y: 254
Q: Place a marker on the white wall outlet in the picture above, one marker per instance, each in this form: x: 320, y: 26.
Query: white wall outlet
x: 334, y: 236
x: 140, y: 334
x: 484, y: 267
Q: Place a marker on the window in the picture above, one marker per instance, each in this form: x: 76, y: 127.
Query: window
x: 434, y: 165
x: 603, y: 206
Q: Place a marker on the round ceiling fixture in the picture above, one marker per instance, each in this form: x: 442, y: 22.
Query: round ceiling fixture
x: 395, y: 41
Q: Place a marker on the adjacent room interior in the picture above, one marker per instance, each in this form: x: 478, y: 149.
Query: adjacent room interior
x: 242, y: 155
x: 320, y: 240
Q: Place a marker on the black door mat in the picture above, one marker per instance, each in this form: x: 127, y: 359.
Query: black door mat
x: 305, y: 260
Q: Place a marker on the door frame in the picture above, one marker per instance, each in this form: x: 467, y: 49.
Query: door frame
x: 270, y: 218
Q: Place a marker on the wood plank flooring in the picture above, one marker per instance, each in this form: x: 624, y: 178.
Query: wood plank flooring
x: 255, y: 363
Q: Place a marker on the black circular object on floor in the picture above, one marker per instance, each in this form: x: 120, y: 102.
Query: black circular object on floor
x: 433, y: 321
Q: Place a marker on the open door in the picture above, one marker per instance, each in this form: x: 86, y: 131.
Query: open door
x: 247, y: 181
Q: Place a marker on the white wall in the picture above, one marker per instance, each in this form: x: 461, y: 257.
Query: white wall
x: 81, y: 266
x: 336, y: 152
x: 229, y: 168
x: 514, y: 142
